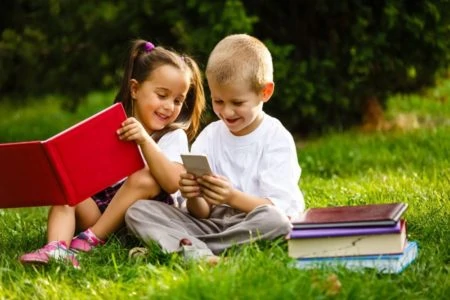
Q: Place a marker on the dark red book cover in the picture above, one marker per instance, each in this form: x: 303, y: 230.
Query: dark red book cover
x: 70, y: 166
x: 384, y: 214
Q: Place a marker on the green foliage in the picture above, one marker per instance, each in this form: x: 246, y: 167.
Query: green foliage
x: 335, y: 55
x: 329, y: 56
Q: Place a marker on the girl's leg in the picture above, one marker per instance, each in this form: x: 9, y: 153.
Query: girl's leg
x: 61, y: 223
x: 139, y: 185
x: 86, y: 214
x: 64, y: 219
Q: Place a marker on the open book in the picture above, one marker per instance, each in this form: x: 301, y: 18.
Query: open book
x: 70, y: 166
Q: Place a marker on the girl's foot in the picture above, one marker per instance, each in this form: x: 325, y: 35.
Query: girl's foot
x: 56, y: 250
x: 85, y: 241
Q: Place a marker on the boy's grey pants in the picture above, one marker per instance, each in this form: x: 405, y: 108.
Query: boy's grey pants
x: 167, y: 225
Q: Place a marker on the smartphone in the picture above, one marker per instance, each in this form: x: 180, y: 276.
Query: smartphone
x: 196, y: 164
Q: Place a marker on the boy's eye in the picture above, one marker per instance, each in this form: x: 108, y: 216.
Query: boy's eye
x: 237, y: 103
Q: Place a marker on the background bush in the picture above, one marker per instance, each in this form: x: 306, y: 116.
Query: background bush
x: 330, y: 57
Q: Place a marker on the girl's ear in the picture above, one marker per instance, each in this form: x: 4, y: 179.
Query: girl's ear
x: 134, y: 86
x: 267, y: 91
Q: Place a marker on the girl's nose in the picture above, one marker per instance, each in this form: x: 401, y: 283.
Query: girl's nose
x: 169, y: 105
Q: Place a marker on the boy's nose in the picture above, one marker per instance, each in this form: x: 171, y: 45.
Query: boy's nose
x: 227, y: 112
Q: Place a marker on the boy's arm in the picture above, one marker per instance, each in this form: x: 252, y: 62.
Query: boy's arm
x: 198, y: 207
x: 217, y: 190
x: 195, y: 204
x: 246, y: 202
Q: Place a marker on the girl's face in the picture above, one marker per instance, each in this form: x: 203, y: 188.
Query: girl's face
x: 159, y: 99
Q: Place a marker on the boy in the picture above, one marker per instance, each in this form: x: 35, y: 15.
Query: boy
x: 254, y: 191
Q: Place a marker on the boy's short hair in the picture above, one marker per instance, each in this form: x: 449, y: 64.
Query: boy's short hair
x: 240, y: 57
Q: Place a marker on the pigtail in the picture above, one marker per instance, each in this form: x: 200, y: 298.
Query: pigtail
x: 124, y: 94
x: 195, y: 98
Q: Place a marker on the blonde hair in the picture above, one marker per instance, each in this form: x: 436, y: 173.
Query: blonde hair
x: 240, y: 57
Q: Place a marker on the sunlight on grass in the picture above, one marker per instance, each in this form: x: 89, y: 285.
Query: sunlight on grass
x: 411, y: 166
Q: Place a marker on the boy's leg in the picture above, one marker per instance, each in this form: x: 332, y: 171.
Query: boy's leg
x: 139, y: 185
x: 167, y: 225
x: 265, y: 222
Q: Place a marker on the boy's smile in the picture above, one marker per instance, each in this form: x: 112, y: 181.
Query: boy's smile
x: 237, y: 105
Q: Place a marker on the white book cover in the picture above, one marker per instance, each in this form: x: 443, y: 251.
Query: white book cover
x: 386, y: 263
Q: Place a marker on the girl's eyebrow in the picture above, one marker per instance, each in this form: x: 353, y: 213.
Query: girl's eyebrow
x: 162, y: 88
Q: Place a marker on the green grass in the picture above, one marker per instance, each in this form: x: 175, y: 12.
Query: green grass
x: 342, y: 168
x: 43, y: 118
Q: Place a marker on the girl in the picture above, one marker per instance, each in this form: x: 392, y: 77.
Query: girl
x: 163, y: 96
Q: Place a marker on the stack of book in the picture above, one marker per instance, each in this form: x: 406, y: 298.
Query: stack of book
x: 355, y: 237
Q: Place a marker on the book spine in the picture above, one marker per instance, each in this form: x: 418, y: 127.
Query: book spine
x: 60, y: 172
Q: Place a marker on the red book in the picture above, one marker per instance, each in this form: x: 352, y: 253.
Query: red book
x: 70, y: 166
x: 385, y: 214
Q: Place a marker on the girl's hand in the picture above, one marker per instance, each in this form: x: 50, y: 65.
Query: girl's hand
x: 216, y: 189
x: 189, y: 186
x: 132, y: 130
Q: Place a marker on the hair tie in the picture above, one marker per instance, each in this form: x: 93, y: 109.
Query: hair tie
x: 148, y: 46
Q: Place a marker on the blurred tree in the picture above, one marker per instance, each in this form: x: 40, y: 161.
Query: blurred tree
x: 331, y: 58
x: 337, y: 61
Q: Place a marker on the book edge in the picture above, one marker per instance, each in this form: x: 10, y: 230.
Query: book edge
x: 400, y: 261
x: 349, y: 231
x: 394, y: 217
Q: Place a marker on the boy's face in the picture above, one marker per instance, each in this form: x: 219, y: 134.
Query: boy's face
x: 237, y: 105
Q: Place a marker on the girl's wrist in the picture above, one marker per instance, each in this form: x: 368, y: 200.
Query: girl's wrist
x: 146, y: 141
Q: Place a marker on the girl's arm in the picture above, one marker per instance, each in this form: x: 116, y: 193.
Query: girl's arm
x: 165, y: 172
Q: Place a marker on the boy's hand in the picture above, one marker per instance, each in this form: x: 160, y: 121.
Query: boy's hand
x: 189, y: 186
x: 216, y: 189
x: 132, y: 130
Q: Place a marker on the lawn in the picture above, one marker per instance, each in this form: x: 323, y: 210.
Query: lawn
x: 409, y: 164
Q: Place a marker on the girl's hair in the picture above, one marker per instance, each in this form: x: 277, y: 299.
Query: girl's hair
x: 143, y: 60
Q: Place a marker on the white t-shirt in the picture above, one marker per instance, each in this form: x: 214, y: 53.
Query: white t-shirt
x: 262, y: 163
x: 172, y: 144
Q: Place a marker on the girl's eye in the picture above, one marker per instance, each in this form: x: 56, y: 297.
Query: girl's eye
x: 178, y: 102
x: 218, y: 102
x: 162, y: 96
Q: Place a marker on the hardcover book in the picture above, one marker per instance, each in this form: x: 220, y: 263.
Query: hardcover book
x: 347, y: 241
x: 70, y: 166
x: 351, y: 216
x: 384, y: 263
